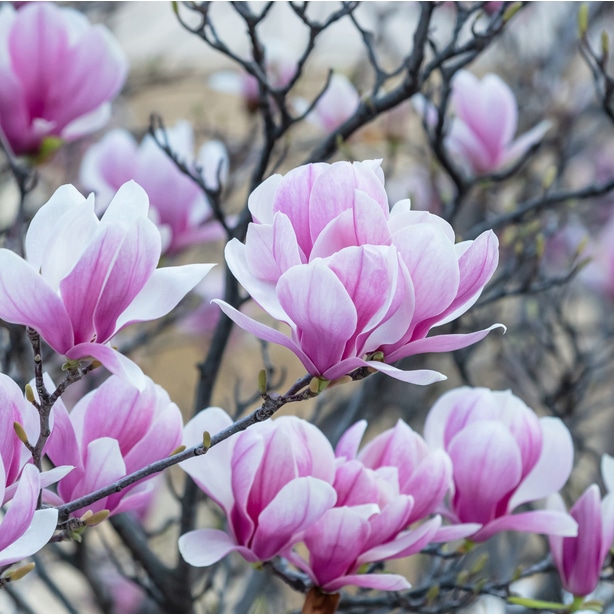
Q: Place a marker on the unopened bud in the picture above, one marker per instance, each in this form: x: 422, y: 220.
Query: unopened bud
x: 583, y: 19
x: 377, y: 356
x: 262, y: 383
x: 206, y: 440
x: 95, y: 364
x: 477, y: 567
x: 605, y: 44
x: 20, y: 432
x: 30, y: 394
x: 549, y: 177
x: 432, y: 594
x: 511, y: 10
x: 20, y: 572
x: 540, y: 245
x: 97, y: 518
x: 177, y: 450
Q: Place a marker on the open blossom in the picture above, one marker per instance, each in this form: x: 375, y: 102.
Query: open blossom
x: 422, y: 472
x: 84, y: 279
x: 272, y: 481
x: 353, y: 280
x: 58, y: 74
x: 502, y: 456
x: 394, y: 481
x: 111, y: 432
x: 180, y: 208
x: 481, y: 133
x: 24, y: 530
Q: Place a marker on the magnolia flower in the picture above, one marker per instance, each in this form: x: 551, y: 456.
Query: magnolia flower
x: 178, y: 205
x: 579, y: 559
x: 481, y: 134
x: 502, y: 456
x: 348, y: 537
x: 85, y: 279
x: 338, y: 103
x: 111, y: 432
x: 358, y: 285
x: 421, y: 472
x: 272, y: 481
x: 24, y: 530
x: 280, y: 68
x: 58, y: 74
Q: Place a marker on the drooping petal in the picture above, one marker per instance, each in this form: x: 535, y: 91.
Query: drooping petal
x: 22, y: 292
x: 39, y: 532
x: 205, y: 547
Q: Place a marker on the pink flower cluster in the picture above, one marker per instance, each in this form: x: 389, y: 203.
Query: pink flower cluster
x: 58, y: 74
x: 358, y: 284
x: 280, y: 485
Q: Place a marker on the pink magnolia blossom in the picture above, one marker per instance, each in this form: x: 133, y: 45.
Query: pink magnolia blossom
x: 346, y: 538
x: 272, y: 481
x: 111, y: 432
x: 421, y: 472
x: 179, y: 206
x: 84, y: 279
x: 579, y: 559
x: 352, y: 279
x: 58, y: 74
x: 338, y: 103
x: 502, y: 456
x: 280, y: 68
x: 24, y: 530
x: 481, y: 134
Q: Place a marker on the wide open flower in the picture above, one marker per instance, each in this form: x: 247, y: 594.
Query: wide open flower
x: 85, y: 279
x: 481, y: 133
x: 502, y: 456
x: 272, y: 481
x: 180, y: 207
x: 351, y: 279
x: 111, y: 432
x: 24, y: 530
x: 57, y: 72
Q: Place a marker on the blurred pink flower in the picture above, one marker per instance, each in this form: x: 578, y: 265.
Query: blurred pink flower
x: 24, y: 530
x: 335, y: 106
x: 178, y: 205
x: 481, y: 134
x: 579, y: 559
x: 58, y: 74
x: 111, y: 432
x: 280, y: 68
x: 85, y: 279
x: 272, y: 481
x: 350, y: 278
x: 502, y: 456
x: 599, y: 273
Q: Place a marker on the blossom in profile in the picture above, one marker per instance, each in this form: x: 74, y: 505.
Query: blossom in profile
x: 272, y: 481
x: 336, y: 105
x: 358, y: 285
x: 84, y: 279
x: 111, y: 432
x: 58, y: 74
x: 480, y: 136
x: 177, y: 204
x: 502, y: 455
x: 579, y: 559
x: 24, y: 530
